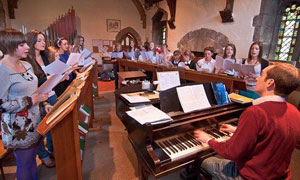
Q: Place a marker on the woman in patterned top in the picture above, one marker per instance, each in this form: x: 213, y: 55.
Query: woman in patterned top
x: 19, y: 105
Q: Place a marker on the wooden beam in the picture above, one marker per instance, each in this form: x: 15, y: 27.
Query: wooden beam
x: 141, y: 10
x: 226, y: 14
x: 12, y: 4
x: 149, y: 3
x: 172, y: 8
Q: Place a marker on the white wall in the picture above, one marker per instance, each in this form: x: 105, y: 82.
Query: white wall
x: 190, y: 15
x: 195, y: 14
x: 92, y: 15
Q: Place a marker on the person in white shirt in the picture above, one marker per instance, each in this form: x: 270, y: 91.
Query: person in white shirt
x: 207, y: 63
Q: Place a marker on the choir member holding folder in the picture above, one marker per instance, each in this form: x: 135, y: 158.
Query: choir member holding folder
x: 207, y: 64
x: 228, y: 56
x: 19, y: 104
x: 132, y: 52
x: 255, y: 59
x: 38, y: 58
x: 63, y: 49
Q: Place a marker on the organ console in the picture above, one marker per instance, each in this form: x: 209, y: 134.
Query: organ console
x: 165, y: 148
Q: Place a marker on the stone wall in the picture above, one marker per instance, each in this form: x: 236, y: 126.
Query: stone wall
x: 199, y: 39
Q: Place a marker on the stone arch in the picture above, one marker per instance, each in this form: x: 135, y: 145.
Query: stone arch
x: 131, y: 31
x: 199, y: 39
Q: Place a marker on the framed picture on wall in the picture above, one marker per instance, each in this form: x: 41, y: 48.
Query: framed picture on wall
x: 113, y: 25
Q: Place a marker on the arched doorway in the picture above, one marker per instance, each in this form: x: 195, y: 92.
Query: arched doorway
x: 126, y: 35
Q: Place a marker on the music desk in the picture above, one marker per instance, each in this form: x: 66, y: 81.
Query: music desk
x: 129, y: 75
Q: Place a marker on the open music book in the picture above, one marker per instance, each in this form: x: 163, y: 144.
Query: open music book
x: 168, y: 80
x: 51, y: 82
x: 57, y: 67
x: 192, y: 98
x: 149, y: 114
x: 74, y: 59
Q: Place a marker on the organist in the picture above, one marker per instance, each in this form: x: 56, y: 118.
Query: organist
x: 267, y: 133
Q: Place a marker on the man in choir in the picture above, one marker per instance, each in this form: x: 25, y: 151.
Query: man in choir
x: 267, y: 133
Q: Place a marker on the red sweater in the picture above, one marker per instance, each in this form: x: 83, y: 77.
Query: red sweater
x: 264, y: 141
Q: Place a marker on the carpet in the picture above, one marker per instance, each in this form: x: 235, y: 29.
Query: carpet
x: 106, y: 86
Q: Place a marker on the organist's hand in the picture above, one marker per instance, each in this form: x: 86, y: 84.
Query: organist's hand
x: 227, y: 128
x: 202, y: 136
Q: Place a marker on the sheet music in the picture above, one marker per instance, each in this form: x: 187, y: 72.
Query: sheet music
x: 228, y: 64
x: 135, y: 99
x: 246, y: 68
x: 57, y: 67
x: 88, y: 62
x: 219, y: 62
x: 168, y: 79
x: 73, y: 59
x: 117, y: 55
x: 144, y: 56
x: 149, y: 114
x: 51, y: 82
x: 237, y: 67
x: 86, y: 53
x: 192, y: 98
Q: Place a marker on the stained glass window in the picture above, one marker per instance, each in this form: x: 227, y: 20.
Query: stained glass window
x: 164, y: 33
x: 288, y: 32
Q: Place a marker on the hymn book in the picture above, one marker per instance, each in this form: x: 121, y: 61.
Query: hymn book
x: 192, y: 98
x: 239, y: 98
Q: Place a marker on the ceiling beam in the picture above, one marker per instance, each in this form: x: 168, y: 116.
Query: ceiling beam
x: 12, y: 5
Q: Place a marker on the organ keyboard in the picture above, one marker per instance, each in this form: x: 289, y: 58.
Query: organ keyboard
x: 164, y: 148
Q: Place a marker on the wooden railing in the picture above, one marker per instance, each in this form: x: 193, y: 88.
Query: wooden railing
x: 231, y: 83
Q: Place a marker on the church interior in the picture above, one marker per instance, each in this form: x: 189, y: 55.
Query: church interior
x: 93, y: 134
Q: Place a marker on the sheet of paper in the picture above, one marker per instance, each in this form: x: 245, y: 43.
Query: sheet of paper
x: 117, y: 55
x: 168, y: 79
x: 135, y: 99
x: 237, y: 67
x: 86, y: 53
x: 149, y: 114
x: 248, y: 69
x: 73, y: 59
x: 56, y: 67
x: 51, y: 82
x: 192, y: 98
x: 219, y: 62
x: 88, y: 62
x: 227, y: 65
